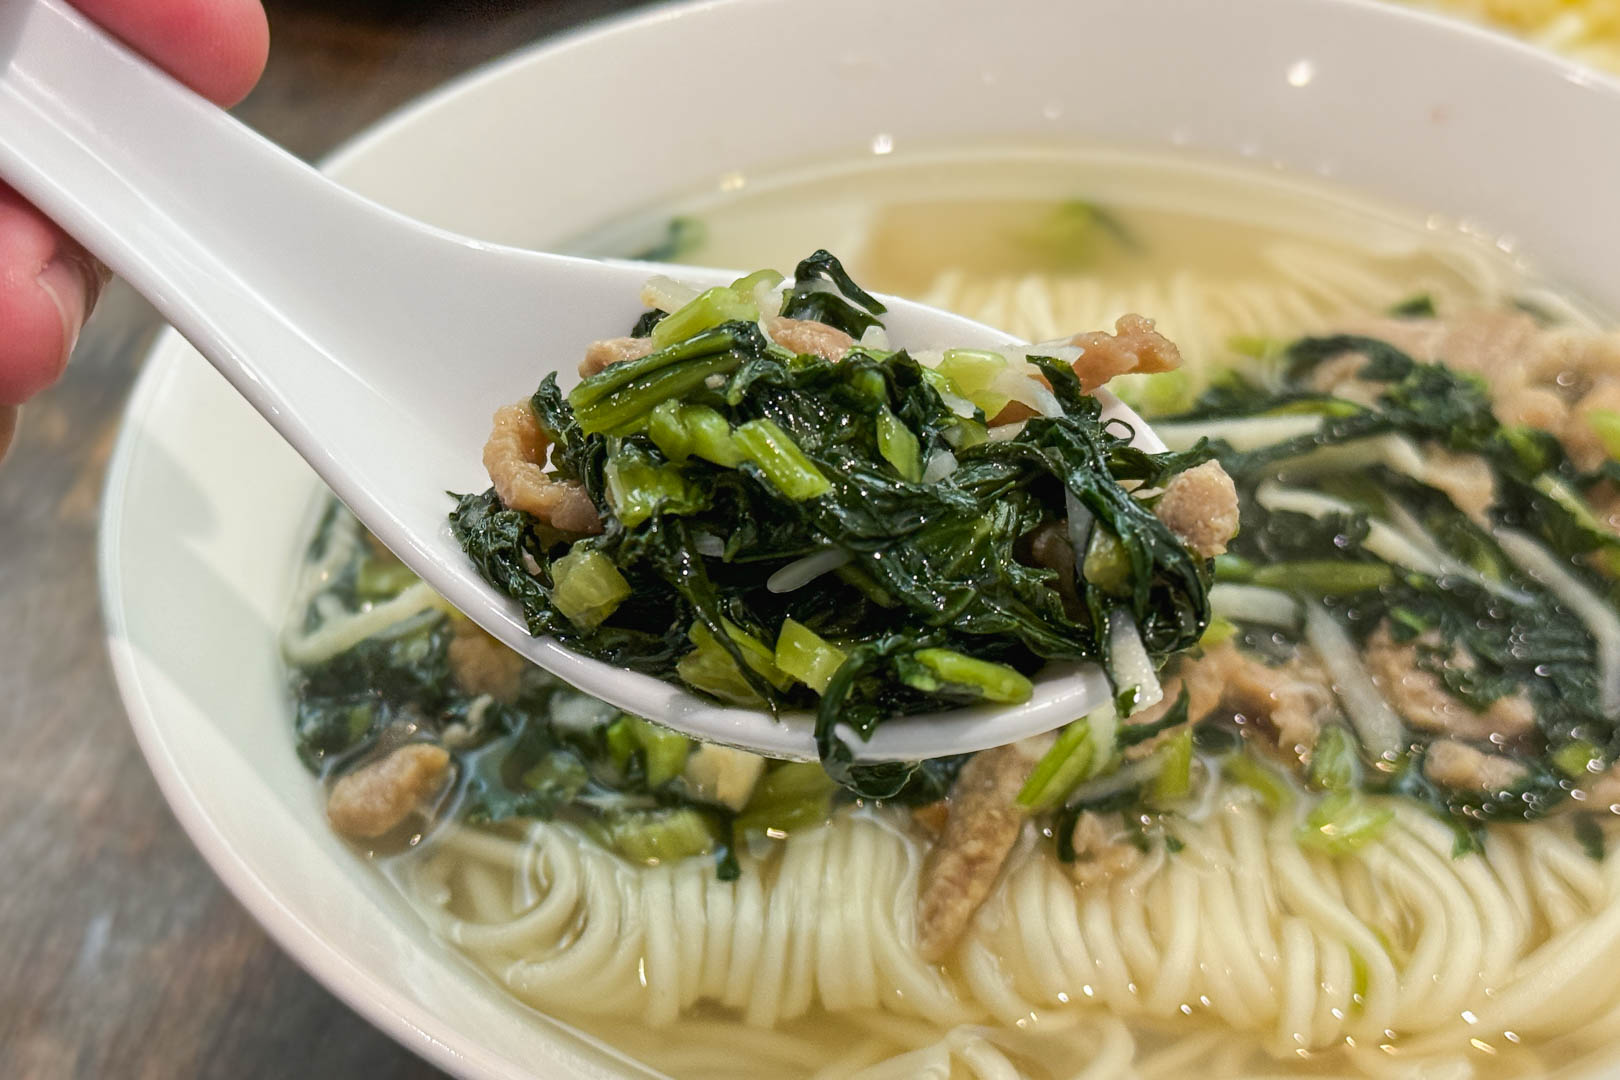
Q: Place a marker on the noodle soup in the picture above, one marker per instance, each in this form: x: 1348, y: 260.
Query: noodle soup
x: 1363, y: 833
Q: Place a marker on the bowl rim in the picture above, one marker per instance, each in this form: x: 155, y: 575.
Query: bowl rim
x: 410, y: 1024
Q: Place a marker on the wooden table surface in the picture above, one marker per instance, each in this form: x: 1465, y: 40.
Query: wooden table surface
x: 120, y: 953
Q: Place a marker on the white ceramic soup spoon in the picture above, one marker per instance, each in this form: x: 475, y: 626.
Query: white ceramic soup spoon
x: 378, y: 346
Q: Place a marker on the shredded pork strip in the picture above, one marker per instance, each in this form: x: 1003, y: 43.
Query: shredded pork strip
x: 601, y: 355
x: 1455, y: 764
x: 808, y: 338
x: 1548, y: 378
x: 379, y: 795
x: 515, y: 458
x: 1201, y: 507
x: 1133, y: 348
x: 1423, y: 700
x: 1102, y: 847
x: 1287, y: 702
x: 481, y: 665
x: 981, y: 826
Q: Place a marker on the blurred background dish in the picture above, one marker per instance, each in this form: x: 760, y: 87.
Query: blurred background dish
x: 1586, y: 30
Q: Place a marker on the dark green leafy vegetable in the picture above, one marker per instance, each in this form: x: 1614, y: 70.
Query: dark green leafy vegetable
x: 550, y: 752
x: 824, y: 292
x: 721, y: 459
x: 1480, y: 626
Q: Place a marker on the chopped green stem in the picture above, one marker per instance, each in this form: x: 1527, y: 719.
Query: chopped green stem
x: 1060, y: 769
x: 1273, y: 789
x: 379, y: 579
x: 617, y: 399
x: 711, y: 308
x: 666, y: 751
x: 976, y: 373
x: 1343, y: 822
x: 993, y: 682
x: 1575, y: 759
x: 1335, y: 764
x: 805, y: 655
x: 1107, y: 564
x: 638, y: 489
x: 622, y: 744
x: 1324, y: 577
x: 587, y: 587
x: 1605, y: 424
x: 795, y: 795
x: 1219, y: 632
x: 899, y: 446
x: 656, y: 836
x: 780, y: 459
x: 760, y: 280
x: 1173, y: 781
x: 682, y: 431
x: 710, y: 667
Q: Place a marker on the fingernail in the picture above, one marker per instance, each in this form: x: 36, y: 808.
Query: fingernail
x: 8, y: 427
x: 95, y: 274
x: 64, y: 282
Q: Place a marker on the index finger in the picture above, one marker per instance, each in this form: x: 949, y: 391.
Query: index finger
x: 216, y: 47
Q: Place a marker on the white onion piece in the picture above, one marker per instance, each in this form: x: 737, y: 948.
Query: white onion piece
x: 1003, y: 432
x: 1397, y: 452
x: 875, y: 338
x: 801, y: 572
x: 406, y: 627
x: 1129, y: 666
x: 1377, y: 725
x: 1020, y: 382
x: 1255, y: 604
x: 1381, y: 540
x: 579, y: 713
x: 1080, y: 520
x: 666, y: 294
x: 1104, y: 723
x: 1273, y: 496
x: 1121, y: 779
x: 1413, y: 530
x: 1044, y: 401
x: 941, y: 463
x: 1586, y: 605
x: 336, y: 635
x: 768, y: 299
x: 1242, y: 434
x: 613, y: 801
x: 708, y: 544
x: 1405, y: 544
x: 1059, y: 349
x: 958, y: 404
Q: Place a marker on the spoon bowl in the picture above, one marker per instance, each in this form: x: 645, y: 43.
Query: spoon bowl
x: 377, y: 346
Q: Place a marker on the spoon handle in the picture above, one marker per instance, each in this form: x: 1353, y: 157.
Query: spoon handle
x: 222, y: 230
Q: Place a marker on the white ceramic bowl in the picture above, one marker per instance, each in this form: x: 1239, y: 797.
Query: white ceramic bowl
x: 206, y: 510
